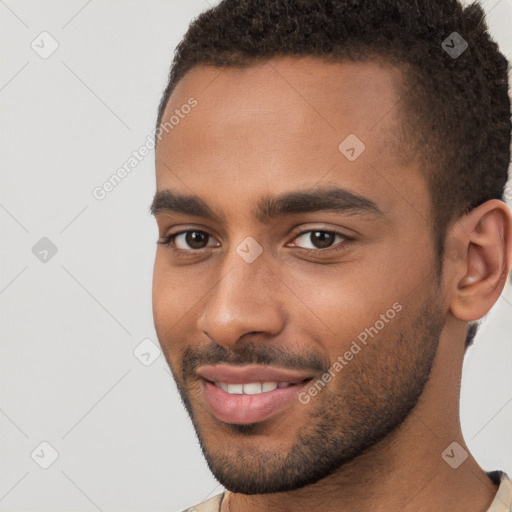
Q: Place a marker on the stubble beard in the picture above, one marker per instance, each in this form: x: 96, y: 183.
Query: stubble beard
x: 373, y: 395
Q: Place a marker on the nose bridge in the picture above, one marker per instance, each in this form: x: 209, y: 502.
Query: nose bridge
x: 241, y: 301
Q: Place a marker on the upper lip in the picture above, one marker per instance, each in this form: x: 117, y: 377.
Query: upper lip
x: 250, y: 373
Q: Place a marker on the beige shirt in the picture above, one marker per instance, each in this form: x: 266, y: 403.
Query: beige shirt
x: 502, y: 501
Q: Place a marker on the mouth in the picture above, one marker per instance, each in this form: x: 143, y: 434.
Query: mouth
x: 249, y: 394
x: 251, y: 388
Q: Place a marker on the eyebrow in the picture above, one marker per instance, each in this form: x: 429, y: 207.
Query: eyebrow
x: 333, y: 199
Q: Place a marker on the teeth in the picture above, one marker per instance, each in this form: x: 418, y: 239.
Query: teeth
x: 268, y: 386
x: 251, y: 388
x: 236, y: 389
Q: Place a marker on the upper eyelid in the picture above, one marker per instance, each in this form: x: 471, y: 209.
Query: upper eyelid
x: 171, y: 236
x: 322, y: 230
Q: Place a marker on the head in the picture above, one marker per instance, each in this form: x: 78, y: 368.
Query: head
x: 334, y: 193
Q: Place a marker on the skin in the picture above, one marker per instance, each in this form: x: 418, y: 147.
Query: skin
x: 383, y: 422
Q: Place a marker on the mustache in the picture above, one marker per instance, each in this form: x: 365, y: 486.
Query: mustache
x: 250, y: 353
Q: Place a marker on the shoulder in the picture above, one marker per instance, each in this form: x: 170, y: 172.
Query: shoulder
x: 210, y: 505
x: 503, y: 499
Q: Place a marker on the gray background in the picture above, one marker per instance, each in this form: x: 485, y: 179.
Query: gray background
x: 70, y: 324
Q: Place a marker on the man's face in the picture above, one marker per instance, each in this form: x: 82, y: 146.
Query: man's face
x: 313, y: 250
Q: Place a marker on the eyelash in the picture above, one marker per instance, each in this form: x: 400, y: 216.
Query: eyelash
x: 169, y: 239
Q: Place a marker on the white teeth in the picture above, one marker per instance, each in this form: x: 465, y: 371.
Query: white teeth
x: 236, y: 389
x: 268, y: 386
x: 251, y: 388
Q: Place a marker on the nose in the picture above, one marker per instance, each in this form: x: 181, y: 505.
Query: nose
x: 244, y: 300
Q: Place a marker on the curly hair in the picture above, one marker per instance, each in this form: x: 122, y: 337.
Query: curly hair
x: 455, y: 108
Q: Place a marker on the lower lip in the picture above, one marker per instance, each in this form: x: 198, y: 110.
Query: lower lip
x: 246, y: 409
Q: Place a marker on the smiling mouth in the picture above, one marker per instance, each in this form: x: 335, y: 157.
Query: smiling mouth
x: 252, y: 388
x: 252, y: 378
x: 245, y: 403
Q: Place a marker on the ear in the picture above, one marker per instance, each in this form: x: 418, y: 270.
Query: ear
x: 477, y: 259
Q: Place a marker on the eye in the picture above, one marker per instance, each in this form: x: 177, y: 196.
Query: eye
x: 311, y: 240
x: 317, y: 239
x: 189, y: 240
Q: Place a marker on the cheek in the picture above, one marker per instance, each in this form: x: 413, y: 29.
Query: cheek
x: 158, y: 292
x: 340, y: 302
x: 168, y: 308
x: 167, y: 296
x: 176, y: 297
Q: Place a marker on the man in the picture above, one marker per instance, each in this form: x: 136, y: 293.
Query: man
x: 330, y: 177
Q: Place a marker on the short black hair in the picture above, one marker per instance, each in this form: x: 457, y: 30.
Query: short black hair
x: 456, y: 108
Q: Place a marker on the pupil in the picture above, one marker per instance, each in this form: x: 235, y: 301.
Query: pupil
x: 321, y: 239
x: 195, y: 239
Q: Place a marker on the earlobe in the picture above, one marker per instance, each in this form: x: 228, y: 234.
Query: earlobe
x: 483, y: 244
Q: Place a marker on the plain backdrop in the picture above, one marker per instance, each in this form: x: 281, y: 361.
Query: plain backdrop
x: 78, y: 392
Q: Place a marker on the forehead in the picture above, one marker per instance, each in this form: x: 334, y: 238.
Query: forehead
x: 279, y: 124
